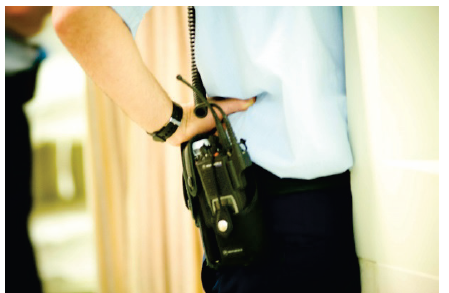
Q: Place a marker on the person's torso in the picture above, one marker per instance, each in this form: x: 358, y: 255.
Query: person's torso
x: 292, y: 59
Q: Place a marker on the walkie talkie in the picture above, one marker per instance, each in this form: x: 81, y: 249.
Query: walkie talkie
x: 219, y: 185
x: 221, y: 163
x: 221, y: 191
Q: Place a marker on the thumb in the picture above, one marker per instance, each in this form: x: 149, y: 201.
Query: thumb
x: 232, y: 105
x: 192, y: 125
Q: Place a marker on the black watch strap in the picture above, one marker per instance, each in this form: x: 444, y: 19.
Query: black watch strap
x: 168, y: 129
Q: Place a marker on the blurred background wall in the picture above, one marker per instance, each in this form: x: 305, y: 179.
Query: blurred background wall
x: 61, y: 224
x: 392, y: 70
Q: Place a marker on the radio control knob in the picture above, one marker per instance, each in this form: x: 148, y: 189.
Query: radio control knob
x: 222, y: 225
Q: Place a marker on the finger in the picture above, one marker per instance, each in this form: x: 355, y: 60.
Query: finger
x: 192, y: 125
x: 230, y: 106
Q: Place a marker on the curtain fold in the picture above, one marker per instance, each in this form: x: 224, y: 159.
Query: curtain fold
x: 146, y: 237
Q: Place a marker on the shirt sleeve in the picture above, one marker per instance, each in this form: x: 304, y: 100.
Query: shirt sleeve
x: 132, y: 15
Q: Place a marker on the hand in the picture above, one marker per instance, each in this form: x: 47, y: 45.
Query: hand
x: 192, y: 125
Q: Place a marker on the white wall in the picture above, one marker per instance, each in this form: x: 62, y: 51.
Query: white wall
x: 393, y: 100
x: 57, y: 113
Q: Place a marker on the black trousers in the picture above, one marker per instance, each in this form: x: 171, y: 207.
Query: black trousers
x: 312, y: 246
x: 21, y: 270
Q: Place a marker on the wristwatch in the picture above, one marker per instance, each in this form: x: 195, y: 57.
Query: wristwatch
x: 168, y: 129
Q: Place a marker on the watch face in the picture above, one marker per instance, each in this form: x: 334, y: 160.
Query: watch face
x: 168, y: 130
x: 175, y: 121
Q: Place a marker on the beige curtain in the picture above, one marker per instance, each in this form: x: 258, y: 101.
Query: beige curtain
x: 146, y: 238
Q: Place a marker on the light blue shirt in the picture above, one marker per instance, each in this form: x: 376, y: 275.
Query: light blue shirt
x: 292, y: 59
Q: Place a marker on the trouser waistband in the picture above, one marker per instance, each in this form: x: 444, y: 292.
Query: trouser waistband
x: 269, y: 183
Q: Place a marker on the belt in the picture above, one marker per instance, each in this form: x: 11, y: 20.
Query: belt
x: 271, y: 184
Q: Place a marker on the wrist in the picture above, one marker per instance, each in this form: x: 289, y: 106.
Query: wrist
x: 171, y: 126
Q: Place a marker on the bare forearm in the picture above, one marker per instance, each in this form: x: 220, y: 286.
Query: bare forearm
x: 104, y: 47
